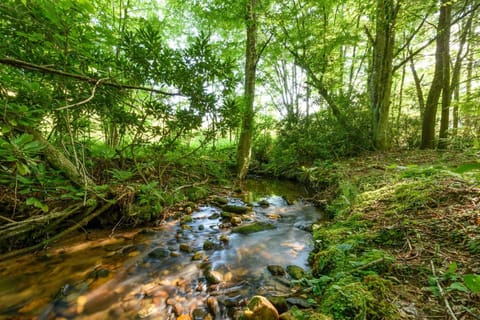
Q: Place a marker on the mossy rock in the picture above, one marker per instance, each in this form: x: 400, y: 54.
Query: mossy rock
x: 236, y: 209
x: 186, y: 219
x: 259, y: 308
x: 253, y: 227
x: 220, y: 200
x: 296, y: 272
x: 208, y: 245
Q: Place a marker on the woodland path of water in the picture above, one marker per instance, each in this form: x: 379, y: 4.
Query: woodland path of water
x: 196, y: 266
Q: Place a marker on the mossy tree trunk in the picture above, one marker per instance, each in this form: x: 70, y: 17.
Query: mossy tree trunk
x: 382, y: 71
x: 244, y: 151
x: 431, y: 106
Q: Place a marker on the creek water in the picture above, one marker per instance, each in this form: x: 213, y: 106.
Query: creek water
x: 160, y: 273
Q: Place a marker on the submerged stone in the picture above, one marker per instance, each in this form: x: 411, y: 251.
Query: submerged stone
x: 253, y: 227
x: 276, y: 270
x: 159, y: 253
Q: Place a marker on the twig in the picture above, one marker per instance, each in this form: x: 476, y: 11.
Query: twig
x: 115, y: 227
x: 92, y: 95
x: 7, y: 219
x: 367, y: 265
x: 196, y: 184
x: 442, y: 293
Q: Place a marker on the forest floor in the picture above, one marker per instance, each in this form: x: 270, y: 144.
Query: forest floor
x: 404, y: 241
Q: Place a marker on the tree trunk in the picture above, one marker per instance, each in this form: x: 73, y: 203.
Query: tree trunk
x: 431, y: 106
x: 59, y: 161
x: 244, y: 151
x: 418, y: 87
x: 446, y: 95
x: 382, y: 71
x: 455, y: 84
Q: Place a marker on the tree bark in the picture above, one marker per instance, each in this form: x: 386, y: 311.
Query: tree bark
x: 446, y: 94
x: 244, y: 151
x: 431, y: 106
x: 382, y: 71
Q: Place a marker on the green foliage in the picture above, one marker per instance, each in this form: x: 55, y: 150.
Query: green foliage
x: 316, y: 138
x: 472, y: 281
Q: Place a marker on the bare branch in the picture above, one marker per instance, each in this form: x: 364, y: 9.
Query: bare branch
x: 86, y: 100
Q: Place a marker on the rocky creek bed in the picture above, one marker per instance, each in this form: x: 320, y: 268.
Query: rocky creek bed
x: 206, y: 265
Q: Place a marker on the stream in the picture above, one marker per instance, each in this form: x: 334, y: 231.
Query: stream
x: 198, y: 268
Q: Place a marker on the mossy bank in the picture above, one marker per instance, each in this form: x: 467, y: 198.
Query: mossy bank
x: 404, y: 239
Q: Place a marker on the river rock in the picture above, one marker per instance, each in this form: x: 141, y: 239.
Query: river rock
x: 253, y: 227
x: 224, y: 238
x: 280, y: 303
x: 295, y: 272
x: 219, y: 200
x: 199, y: 313
x: 226, y: 215
x: 236, y: 221
x: 186, y: 219
x: 186, y: 247
x: 259, y: 308
x: 235, y: 209
x: 213, y: 277
x: 231, y: 302
x: 159, y: 253
x: 208, y: 245
x: 213, y: 307
x: 214, y: 216
x: 263, y: 203
x: 299, y: 302
x: 276, y: 270
x: 199, y: 255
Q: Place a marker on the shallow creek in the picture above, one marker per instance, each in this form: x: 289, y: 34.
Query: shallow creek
x: 160, y: 273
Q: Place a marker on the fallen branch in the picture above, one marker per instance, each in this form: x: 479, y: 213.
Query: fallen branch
x: 88, y: 216
x: 442, y: 293
x: 30, y: 66
x: 196, y: 184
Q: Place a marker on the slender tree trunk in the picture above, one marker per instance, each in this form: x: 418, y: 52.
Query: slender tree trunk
x: 456, y: 73
x: 244, y: 151
x: 446, y: 94
x: 431, y: 106
x: 418, y: 87
x: 382, y: 71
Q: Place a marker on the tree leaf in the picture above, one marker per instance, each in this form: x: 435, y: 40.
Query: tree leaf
x: 472, y: 281
x: 457, y: 286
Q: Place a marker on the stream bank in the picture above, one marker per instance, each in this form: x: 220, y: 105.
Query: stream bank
x: 404, y: 239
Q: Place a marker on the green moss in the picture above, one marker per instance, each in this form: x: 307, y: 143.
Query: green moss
x: 346, y: 299
x: 253, y: 227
